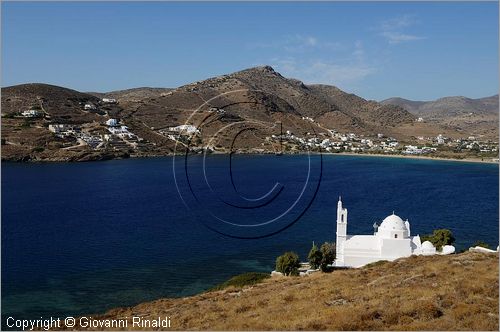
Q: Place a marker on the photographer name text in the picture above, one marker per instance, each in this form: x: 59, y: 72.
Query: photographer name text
x: 87, y: 323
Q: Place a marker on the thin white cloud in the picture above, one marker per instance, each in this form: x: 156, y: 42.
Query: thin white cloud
x: 359, y: 51
x: 309, y: 59
x: 397, y: 23
x: 393, y: 30
x: 297, y: 44
x: 394, y: 37
x: 323, y: 72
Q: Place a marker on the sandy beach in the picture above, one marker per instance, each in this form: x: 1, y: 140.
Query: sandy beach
x: 465, y: 160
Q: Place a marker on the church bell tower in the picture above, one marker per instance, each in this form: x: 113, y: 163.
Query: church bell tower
x: 341, y: 232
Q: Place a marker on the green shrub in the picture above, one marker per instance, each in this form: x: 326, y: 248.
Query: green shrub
x: 481, y: 244
x: 328, y: 254
x: 315, y: 257
x: 439, y: 238
x: 288, y: 263
x: 38, y: 149
x: 377, y: 263
x: 245, y: 279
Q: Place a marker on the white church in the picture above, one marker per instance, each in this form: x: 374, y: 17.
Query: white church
x: 391, y: 240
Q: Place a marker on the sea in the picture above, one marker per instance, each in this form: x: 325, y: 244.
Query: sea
x: 82, y: 238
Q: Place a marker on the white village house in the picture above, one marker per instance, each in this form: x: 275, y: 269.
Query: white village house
x: 391, y: 240
x: 185, y: 129
x: 31, y: 113
x: 112, y: 122
x: 89, y: 106
x: 109, y: 100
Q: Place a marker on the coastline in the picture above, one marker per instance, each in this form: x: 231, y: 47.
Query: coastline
x: 465, y: 160
x: 489, y: 160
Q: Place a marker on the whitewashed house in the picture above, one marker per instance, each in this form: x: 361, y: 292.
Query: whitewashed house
x: 89, y: 106
x: 109, y: 100
x: 31, y: 114
x: 184, y: 129
x: 440, y: 139
x: 112, y: 122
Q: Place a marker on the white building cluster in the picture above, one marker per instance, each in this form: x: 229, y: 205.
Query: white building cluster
x: 413, y: 149
x: 67, y: 131
x: 64, y: 130
x: 340, y: 142
x: 119, y: 135
x: 120, y: 131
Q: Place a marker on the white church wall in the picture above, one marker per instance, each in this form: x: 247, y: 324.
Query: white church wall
x: 359, y: 261
x: 481, y: 249
x: 395, y: 247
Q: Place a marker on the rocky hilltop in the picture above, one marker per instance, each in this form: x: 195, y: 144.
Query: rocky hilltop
x: 45, y: 122
x: 454, y: 292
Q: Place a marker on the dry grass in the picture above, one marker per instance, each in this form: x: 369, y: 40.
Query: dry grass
x: 458, y: 292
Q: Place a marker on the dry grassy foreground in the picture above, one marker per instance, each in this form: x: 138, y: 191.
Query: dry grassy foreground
x: 457, y: 292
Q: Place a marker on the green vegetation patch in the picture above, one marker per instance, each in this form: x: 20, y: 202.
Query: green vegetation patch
x: 377, y: 263
x: 288, y: 264
x: 481, y: 244
x: 439, y: 238
x: 241, y: 280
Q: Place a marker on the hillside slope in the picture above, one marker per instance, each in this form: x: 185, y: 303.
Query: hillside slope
x: 456, y: 292
x: 60, y: 103
x: 263, y: 86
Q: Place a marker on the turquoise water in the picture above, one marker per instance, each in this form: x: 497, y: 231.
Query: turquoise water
x: 86, y: 237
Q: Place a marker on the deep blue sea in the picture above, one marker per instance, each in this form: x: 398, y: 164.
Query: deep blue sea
x: 80, y: 238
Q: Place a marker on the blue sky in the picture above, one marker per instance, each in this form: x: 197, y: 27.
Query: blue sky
x: 418, y: 51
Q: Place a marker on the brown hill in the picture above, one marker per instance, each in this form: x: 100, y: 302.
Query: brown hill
x: 313, y: 101
x: 263, y: 95
x: 455, y: 292
x: 58, y: 102
x: 134, y: 94
x: 370, y: 113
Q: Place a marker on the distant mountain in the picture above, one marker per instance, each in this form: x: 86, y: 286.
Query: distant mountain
x: 449, y: 105
x: 478, y: 116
